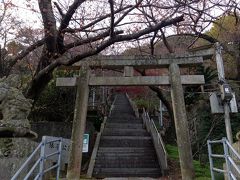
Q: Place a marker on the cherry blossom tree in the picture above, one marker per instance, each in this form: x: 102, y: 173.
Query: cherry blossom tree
x: 72, y: 30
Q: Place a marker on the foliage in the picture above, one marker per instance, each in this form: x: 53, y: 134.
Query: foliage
x: 207, y: 126
x: 201, y: 171
x: 141, y: 103
x: 226, y: 28
x: 149, y: 103
x: 191, y: 94
x: 7, y: 53
x: 55, y: 103
x: 209, y: 73
x: 203, y: 124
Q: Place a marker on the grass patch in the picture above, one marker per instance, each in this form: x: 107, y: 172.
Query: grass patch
x: 202, y: 172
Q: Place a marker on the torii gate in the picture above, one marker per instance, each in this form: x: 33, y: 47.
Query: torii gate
x: 128, y: 63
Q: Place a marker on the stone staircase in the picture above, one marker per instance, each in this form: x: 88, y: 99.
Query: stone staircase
x: 126, y: 148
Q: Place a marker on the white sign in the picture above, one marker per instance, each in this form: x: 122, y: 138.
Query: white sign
x: 85, y: 142
x: 217, y: 104
x: 53, y: 147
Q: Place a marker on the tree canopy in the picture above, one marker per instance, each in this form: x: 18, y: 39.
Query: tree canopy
x: 71, y: 30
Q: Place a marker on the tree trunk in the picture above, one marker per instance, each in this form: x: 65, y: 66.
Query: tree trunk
x: 38, y: 83
x: 170, y: 131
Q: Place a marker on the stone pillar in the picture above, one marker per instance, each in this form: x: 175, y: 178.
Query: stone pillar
x: 78, y: 128
x: 181, y: 124
x: 128, y: 71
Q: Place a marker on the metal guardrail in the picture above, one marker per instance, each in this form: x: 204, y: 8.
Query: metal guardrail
x: 41, y: 160
x: 157, y: 140
x: 230, y: 155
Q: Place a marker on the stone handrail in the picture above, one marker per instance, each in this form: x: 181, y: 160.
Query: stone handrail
x: 95, y: 149
x: 157, y: 141
x: 133, y: 105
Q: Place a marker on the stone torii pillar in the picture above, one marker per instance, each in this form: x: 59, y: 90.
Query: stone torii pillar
x: 78, y: 127
x: 181, y: 124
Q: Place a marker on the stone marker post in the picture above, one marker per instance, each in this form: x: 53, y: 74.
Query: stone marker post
x: 78, y: 128
x: 181, y: 124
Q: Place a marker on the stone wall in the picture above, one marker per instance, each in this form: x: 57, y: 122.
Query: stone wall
x: 23, y: 147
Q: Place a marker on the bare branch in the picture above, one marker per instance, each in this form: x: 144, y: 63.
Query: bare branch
x: 49, y: 24
x: 72, y: 9
x: 120, y: 38
x: 112, y: 17
x: 25, y: 52
x: 127, y: 12
x: 152, y: 42
x: 4, y: 11
x: 90, y: 39
x: 170, y: 50
x: 65, y: 22
x: 96, y: 21
x: 59, y: 9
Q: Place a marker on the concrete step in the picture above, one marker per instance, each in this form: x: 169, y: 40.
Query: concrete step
x: 122, y: 115
x: 124, y: 125
x: 125, y: 111
x: 126, y: 149
x: 124, y: 105
x: 125, y: 121
x: 125, y: 138
x: 124, y: 132
x: 127, y: 172
x: 126, y: 158
x: 133, y: 162
x: 125, y: 141
x: 122, y: 118
x: 126, y: 164
x: 146, y: 155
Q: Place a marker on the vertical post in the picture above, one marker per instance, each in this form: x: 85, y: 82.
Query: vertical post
x: 78, y: 128
x: 226, y: 156
x: 93, y: 98
x: 228, y: 123
x: 181, y: 124
x: 221, y: 77
x: 1, y: 62
x: 161, y: 114
x: 128, y: 71
x: 219, y: 61
x: 210, y: 159
x: 103, y: 95
x: 59, y: 158
x: 42, y: 156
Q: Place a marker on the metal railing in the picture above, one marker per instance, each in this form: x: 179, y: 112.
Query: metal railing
x: 230, y: 155
x: 157, y: 140
x: 40, y: 161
